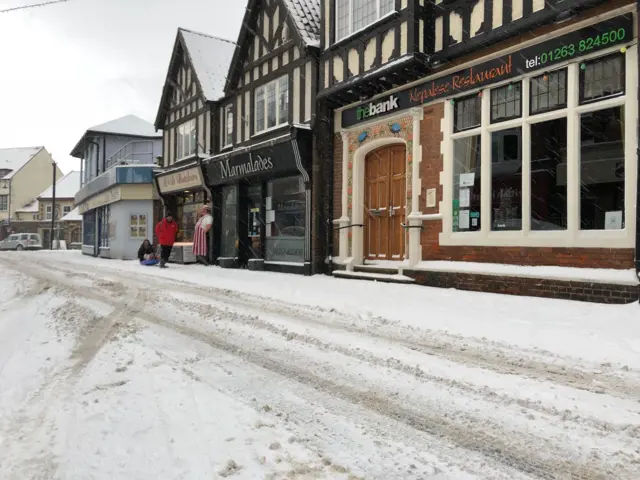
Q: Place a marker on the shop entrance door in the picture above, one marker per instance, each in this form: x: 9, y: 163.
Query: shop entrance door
x: 385, y: 203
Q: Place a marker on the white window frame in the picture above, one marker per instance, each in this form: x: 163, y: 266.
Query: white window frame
x: 263, y: 88
x: 226, y: 142
x: 186, y: 130
x: 4, y: 204
x: 66, y: 209
x: 48, y: 212
x: 352, y: 31
x: 573, y: 236
x: 137, y: 226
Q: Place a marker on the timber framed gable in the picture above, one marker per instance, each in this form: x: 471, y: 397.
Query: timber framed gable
x: 276, y: 56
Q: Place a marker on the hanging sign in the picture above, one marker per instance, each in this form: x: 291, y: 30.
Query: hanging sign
x: 603, y: 35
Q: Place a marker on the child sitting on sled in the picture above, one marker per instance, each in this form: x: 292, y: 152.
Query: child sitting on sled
x: 146, y: 254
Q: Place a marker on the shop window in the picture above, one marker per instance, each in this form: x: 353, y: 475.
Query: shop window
x: 549, y: 91
x: 272, y: 104
x: 187, y: 207
x: 228, y: 231
x: 506, y: 102
x: 186, y: 140
x: 228, y: 125
x: 104, y: 218
x: 506, y: 179
x: 254, y: 221
x: 466, y: 184
x: 285, y: 220
x: 354, y: 15
x: 88, y: 228
x: 602, y: 169
x: 549, y: 175
x: 138, y: 226
x: 467, y: 113
x: 602, y: 78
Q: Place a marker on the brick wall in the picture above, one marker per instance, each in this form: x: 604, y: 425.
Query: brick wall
x: 337, y: 190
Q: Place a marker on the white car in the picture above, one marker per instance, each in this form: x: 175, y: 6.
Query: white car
x: 22, y: 241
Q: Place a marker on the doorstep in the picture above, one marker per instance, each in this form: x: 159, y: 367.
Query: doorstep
x: 585, y: 285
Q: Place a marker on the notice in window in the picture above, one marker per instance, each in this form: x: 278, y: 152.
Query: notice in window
x: 465, y: 197
x: 613, y: 220
x: 463, y: 220
x: 270, y: 216
x: 467, y: 179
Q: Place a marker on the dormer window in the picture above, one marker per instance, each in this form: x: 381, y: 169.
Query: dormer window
x: 354, y: 15
x: 228, y: 126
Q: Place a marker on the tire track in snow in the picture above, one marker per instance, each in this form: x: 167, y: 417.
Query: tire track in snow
x: 514, y: 451
x: 494, y: 356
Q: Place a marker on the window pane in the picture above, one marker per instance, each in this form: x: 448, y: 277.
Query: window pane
x: 192, y: 137
x: 505, y: 102
x: 285, y: 235
x: 467, y: 112
x: 549, y: 175
x: 386, y: 6
x: 255, y: 220
x: 259, y: 111
x: 229, y: 129
x: 602, y: 169
x: 506, y: 179
x: 88, y: 227
x: 364, y: 13
x: 228, y: 225
x: 548, y: 91
x: 283, y: 96
x: 342, y: 15
x: 271, y: 105
x: 602, y: 77
x: 466, y: 184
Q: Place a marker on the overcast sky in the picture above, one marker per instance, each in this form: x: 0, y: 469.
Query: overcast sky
x: 67, y: 67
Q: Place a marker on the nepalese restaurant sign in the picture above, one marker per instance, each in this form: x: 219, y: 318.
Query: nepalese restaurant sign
x: 616, y: 31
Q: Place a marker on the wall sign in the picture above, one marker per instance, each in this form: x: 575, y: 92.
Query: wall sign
x: 182, y: 180
x: 286, y: 156
x: 616, y: 31
x: 110, y: 196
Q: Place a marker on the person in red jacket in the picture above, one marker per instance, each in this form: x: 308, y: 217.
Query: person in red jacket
x: 166, y: 231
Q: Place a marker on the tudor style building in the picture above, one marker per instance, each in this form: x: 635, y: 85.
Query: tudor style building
x: 515, y: 146
x: 260, y: 174
x: 187, y: 114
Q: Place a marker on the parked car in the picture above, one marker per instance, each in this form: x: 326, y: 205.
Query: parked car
x: 22, y: 241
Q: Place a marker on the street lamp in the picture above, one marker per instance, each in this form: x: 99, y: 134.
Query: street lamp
x: 53, y: 204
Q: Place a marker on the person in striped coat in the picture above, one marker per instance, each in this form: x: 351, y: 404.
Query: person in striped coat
x: 201, y: 235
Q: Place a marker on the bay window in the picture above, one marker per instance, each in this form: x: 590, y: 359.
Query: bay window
x: 186, y: 139
x: 354, y: 15
x: 272, y: 104
x: 543, y: 159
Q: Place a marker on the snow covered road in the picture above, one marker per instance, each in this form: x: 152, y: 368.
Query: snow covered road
x: 112, y: 370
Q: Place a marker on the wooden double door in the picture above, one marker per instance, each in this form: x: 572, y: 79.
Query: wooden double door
x: 385, y: 203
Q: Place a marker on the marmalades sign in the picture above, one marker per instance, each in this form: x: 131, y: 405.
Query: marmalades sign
x: 616, y: 31
x: 253, y: 165
x: 180, y: 180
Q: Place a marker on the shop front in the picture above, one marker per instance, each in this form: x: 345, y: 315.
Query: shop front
x: 526, y: 156
x: 183, y: 194
x: 261, y: 204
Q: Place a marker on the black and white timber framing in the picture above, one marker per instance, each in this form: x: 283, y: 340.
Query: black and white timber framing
x: 421, y: 35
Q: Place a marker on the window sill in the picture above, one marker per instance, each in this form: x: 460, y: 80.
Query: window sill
x: 269, y: 130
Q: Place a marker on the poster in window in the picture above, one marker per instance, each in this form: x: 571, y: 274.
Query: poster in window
x: 464, y: 219
x: 465, y: 197
x: 467, y: 179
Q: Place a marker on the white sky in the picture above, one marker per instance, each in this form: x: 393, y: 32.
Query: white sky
x: 67, y: 67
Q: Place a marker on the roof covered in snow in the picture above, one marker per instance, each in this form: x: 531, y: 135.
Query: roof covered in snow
x: 15, y: 158
x: 72, y: 216
x: 32, y: 207
x: 306, y: 17
x: 210, y: 57
x: 129, y: 125
x: 66, y: 187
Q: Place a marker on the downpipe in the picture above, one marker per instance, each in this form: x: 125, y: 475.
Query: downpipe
x: 637, y: 252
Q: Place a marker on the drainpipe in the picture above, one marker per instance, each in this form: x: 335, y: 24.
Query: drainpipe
x: 638, y: 170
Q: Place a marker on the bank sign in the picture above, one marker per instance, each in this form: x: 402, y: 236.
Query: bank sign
x: 603, y: 35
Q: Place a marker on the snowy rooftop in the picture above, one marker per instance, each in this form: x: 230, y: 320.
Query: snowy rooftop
x: 306, y: 17
x: 32, y: 207
x: 66, y: 187
x: 127, y: 125
x: 210, y: 57
x: 15, y: 158
x: 72, y: 216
